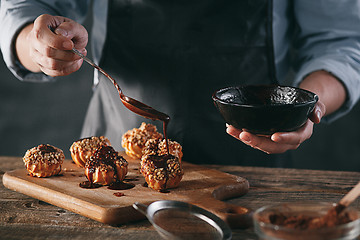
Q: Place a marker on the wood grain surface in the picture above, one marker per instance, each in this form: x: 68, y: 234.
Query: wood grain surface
x: 200, y: 185
x: 24, y: 217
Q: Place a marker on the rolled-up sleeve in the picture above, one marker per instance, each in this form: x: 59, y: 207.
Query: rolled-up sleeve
x: 14, y: 15
x: 329, y: 39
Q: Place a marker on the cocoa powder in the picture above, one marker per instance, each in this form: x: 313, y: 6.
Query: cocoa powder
x: 335, y: 216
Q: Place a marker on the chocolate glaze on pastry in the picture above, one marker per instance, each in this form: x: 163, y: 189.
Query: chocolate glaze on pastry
x: 134, y: 140
x: 82, y: 149
x: 106, y: 166
x: 44, y: 160
x: 158, y: 147
x: 161, y: 172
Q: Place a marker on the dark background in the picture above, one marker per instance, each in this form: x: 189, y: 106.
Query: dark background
x: 35, y: 113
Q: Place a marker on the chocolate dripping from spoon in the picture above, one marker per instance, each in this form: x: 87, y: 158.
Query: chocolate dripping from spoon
x: 133, y: 104
x: 130, y: 103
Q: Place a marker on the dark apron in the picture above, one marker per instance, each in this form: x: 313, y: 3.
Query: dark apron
x: 172, y: 55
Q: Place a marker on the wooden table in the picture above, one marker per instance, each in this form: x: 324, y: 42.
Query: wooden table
x: 23, y: 217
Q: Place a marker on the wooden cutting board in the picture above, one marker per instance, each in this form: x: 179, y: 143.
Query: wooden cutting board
x: 200, y: 186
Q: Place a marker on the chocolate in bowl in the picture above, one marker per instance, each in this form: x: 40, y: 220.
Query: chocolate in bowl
x: 265, y: 109
x: 300, y: 214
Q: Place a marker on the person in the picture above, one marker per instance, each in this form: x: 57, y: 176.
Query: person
x: 173, y: 55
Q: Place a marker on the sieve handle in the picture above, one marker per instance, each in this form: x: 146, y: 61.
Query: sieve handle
x: 140, y: 207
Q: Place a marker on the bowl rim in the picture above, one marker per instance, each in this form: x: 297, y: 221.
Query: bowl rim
x: 303, y: 203
x: 314, y: 99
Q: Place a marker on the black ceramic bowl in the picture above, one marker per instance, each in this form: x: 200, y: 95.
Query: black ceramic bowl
x: 265, y: 109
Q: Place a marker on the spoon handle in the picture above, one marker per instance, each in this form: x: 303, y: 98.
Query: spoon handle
x: 351, y: 196
x: 85, y: 58
x: 89, y: 61
x: 96, y: 66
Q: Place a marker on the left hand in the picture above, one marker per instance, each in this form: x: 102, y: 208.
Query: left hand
x: 280, y: 142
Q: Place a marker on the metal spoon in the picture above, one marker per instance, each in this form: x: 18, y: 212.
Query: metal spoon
x: 181, y: 220
x: 131, y: 103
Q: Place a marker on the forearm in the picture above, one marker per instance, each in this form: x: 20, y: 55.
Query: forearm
x: 23, y: 50
x: 330, y: 90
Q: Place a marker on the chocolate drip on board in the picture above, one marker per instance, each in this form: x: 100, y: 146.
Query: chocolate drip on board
x: 104, y: 155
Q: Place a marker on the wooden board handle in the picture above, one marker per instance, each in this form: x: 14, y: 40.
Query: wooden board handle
x: 235, y: 216
x: 238, y: 189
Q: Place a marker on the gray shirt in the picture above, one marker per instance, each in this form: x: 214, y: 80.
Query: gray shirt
x: 307, y: 36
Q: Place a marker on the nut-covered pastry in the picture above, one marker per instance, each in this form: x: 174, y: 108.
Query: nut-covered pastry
x: 106, y: 166
x: 44, y: 160
x: 158, y: 147
x: 82, y: 149
x: 133, y: 141
x: 161, y: 172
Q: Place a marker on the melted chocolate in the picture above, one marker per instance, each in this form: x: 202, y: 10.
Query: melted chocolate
x: 119, y: 194
x: 45, y: 148
x: 121, y: 186
x: 132, y: 104
x: 89, y: 185
x: 140, y: 108
x: 103, y: 155
x: 145, y: 111
x: 90, y: 177
x: 161, y: 162
x: 134, y: 179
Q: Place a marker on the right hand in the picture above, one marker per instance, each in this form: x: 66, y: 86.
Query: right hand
x: 280, y: 142
x: 47, y: 50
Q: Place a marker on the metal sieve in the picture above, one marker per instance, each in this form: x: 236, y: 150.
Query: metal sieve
x: 180, y: 220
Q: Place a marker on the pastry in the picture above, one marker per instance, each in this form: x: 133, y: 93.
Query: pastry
x: 106, y: 166
x: 161, y: 172
x: 133, y: 141
x: 44, y: 160
x: 158, y: 147
x: 82, y: 149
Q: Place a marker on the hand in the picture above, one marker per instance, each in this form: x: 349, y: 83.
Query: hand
x: 40, y: 49
x: 280, y: 142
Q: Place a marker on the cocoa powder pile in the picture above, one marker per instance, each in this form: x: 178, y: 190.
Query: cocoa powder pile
x: 335, y: 216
